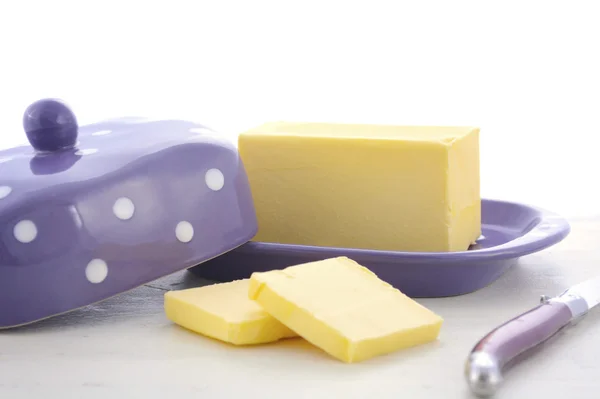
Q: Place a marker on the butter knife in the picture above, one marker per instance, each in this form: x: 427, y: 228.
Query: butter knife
x: 488, y: 358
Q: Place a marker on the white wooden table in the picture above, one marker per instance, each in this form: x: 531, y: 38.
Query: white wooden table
x: 126, y: 348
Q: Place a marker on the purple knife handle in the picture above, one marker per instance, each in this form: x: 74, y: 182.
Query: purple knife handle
x: 503, y: 344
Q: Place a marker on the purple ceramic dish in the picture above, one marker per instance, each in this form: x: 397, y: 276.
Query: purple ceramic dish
x: 88, y: 212
x: 509, y: 231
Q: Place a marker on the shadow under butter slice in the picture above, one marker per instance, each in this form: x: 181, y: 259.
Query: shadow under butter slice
x: 224, y: 312
x: 344, y: 309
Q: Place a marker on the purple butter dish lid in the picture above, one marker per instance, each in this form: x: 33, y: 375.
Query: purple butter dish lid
x: 88, y: 212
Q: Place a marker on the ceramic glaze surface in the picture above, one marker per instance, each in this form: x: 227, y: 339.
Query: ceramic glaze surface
x: 128, y: 202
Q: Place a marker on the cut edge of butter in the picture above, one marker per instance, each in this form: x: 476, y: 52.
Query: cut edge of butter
x: 444, y: 135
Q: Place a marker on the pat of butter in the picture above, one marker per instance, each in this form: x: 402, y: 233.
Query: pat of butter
x: 224, y: 312
x: 344, y: 309
x: 396, y: 188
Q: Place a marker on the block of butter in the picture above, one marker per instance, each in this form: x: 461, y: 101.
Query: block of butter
x: 224, y: 312
x: 344, y: 309
x: 376, y: 187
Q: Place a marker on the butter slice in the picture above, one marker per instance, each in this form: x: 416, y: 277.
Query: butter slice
x: 397, y: 188
x: 224, y: 312
x: 344, y: 309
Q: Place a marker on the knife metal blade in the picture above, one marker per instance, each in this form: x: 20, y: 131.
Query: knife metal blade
x: 588, y: 290
x: 488, y: 358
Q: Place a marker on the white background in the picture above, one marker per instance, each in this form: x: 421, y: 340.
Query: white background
x: 526, y: 72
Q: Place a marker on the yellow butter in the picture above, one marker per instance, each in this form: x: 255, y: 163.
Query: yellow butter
x: 344, y: 309
x: 365, y: 186
x: 224, y: 312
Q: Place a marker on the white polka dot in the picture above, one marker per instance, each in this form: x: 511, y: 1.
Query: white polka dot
x: 184, y: 231
x: 4, y: 191
x: 123, y: 208
x: 214, y: 179
x: 101, y: 132
x: 96, y: 271
x: 25, y: 231
x: 201, y: 130
x: 88, y: 151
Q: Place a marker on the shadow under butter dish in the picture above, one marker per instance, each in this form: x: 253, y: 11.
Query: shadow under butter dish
x: 224, y: 312
x: 344, y: 309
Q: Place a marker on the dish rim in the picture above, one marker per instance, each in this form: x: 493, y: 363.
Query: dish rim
x: 546, y: 229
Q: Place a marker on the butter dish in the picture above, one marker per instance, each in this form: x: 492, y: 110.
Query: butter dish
x: 88, y: 212
x: 509, y: 231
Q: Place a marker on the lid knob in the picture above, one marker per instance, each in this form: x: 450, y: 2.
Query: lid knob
x: 50, y: 125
